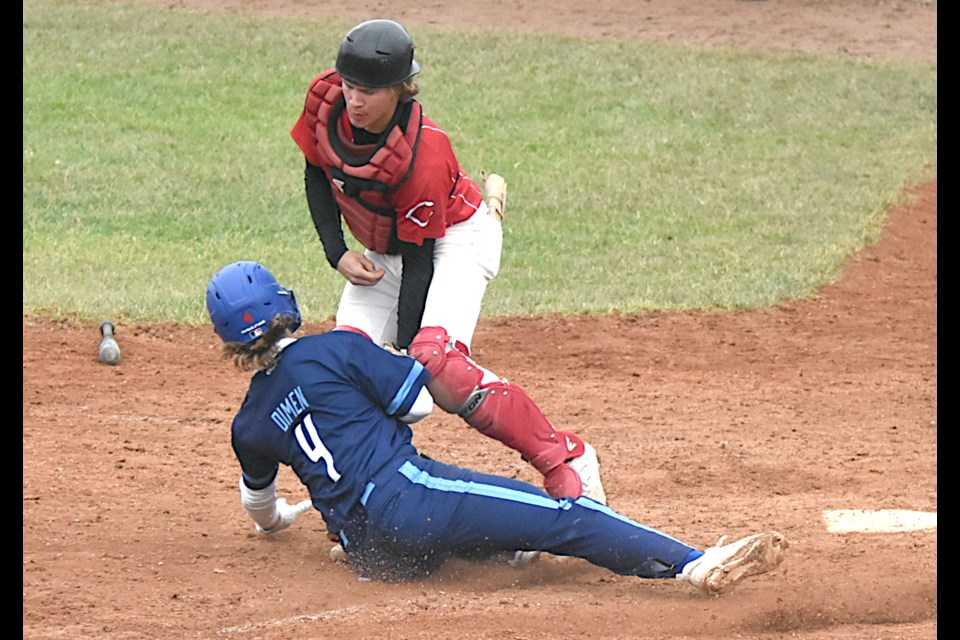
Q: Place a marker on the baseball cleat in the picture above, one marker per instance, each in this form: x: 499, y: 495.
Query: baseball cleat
x: 724, y: 565
x: 587, y: 467
x: 337, y: 553
x: 523, y: 558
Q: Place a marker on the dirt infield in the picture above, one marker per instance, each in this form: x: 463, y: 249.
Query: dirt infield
x: 707, y: 424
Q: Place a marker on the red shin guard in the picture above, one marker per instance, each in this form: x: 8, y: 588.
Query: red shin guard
x: 499, y: 410
x: 505, y: 412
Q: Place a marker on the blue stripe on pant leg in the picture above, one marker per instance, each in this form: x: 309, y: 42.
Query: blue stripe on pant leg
x: 422, y: 477
x: 502, y: 514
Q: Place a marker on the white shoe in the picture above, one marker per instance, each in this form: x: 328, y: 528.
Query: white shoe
x: 523, y: 558
x: 723, y: 565
x: 587, y: 467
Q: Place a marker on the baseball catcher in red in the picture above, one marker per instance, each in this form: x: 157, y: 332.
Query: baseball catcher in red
x: 431, y: 243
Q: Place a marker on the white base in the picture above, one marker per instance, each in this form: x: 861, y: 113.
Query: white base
x: 884, y: 521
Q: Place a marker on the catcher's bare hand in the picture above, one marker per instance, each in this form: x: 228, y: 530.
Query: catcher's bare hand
x: 359, y: 269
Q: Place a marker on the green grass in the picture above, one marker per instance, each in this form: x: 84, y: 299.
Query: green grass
x: 641, y: 176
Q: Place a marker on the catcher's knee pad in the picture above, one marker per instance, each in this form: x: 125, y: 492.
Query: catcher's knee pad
x: 453, y: 376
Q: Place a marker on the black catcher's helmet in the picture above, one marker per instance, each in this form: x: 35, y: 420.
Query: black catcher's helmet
x: 377, y: 54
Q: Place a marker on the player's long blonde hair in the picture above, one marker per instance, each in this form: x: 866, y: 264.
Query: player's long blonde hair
x: 263, y: 352
x: 409, y: 89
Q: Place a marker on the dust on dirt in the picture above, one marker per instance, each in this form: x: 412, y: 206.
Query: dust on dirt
x: 707, y: 424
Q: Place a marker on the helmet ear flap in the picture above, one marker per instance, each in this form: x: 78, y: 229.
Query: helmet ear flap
x: 242, y: 300
x: 293, y: 309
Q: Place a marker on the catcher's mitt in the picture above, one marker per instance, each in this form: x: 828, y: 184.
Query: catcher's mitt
x: 496, y: 190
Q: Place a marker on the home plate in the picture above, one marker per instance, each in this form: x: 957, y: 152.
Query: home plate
x: 883, y: 521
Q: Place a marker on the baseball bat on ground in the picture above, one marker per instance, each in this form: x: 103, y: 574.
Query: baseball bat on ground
x: 109, y: 349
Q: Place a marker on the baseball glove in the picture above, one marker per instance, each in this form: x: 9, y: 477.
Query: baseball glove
x: 496, y: 190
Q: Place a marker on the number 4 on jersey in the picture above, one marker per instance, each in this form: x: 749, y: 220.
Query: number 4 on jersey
x: 313, y: 446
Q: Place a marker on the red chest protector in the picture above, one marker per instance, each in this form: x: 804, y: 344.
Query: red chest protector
x: 363, y: 175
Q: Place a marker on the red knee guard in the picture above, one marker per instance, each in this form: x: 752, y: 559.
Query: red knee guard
x: 453, y: 376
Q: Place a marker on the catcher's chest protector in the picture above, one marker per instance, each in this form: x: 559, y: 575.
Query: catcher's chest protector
x: 363, y: 175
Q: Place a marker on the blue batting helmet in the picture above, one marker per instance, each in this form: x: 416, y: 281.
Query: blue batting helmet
x: 243, y: 298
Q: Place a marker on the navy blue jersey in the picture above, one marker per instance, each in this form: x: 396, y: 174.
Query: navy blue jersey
x: 329, y: 409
